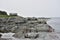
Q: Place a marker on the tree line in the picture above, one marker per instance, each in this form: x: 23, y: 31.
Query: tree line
x: 5, y: 13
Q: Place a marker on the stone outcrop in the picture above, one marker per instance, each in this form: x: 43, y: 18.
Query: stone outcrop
x: 21, y: 25
x: 7, y: 24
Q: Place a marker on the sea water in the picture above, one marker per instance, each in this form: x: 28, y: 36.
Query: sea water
x: 55, y: 23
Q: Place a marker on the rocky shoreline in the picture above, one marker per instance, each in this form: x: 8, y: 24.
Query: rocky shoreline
x: 21, y: 25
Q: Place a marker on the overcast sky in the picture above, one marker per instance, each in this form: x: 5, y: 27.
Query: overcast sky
x: 37, y: 8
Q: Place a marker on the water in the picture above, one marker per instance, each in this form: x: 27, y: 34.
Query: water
x: 55, y: 23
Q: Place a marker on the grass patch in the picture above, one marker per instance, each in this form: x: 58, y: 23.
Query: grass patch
x: 6, y: 16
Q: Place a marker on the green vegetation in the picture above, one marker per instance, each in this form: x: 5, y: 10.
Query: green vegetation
x: 4, y: 14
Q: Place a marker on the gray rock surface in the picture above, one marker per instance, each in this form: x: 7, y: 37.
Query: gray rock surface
x: 21, y: 25
x: 42, y: 36
x: 4, y: 39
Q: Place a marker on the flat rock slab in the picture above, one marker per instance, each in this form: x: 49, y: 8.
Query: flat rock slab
x: 42, y: 36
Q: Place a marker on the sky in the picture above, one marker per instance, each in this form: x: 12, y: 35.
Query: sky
x: 32, y: 8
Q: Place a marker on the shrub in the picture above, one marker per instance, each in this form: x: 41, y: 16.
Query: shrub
x: 3, y: 13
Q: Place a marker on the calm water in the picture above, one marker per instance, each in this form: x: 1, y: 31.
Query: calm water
x: 55, y: 23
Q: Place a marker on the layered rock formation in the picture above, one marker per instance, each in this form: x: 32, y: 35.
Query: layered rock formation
x: 21, y: 25
x: 10, y: 24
